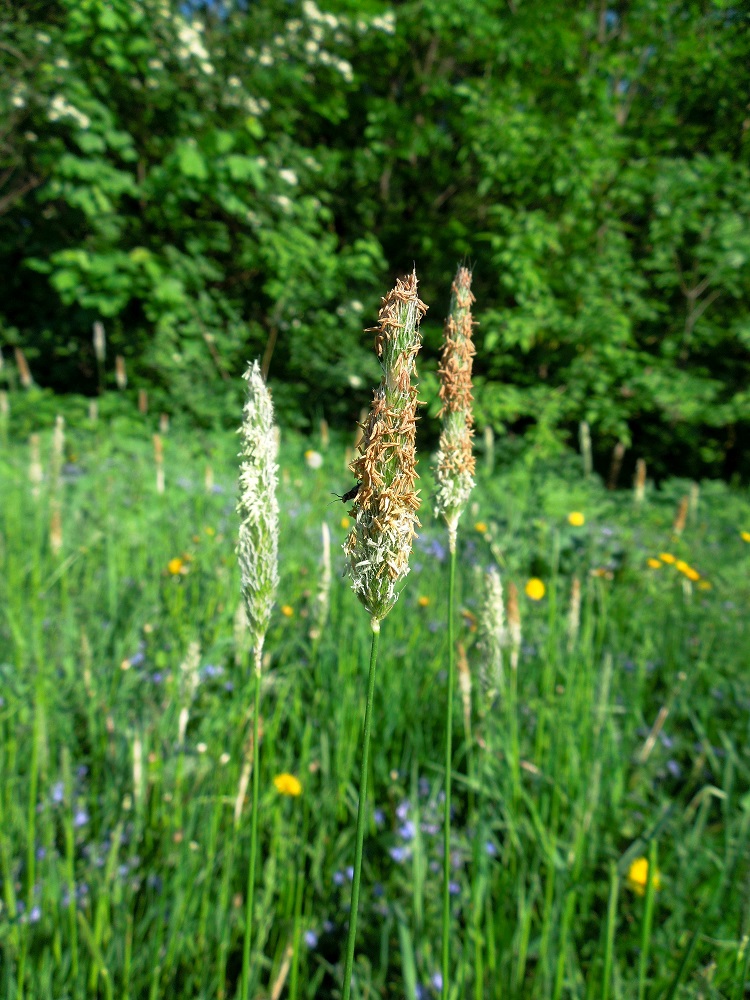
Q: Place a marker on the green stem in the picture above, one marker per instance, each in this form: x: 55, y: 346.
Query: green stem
x: 250, y: 895
x: 648, y: 918
x: 361, y: 809
x: 448, y: 760
x: 609, y: 947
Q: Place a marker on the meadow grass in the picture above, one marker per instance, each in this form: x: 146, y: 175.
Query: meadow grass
x: 124, y: 852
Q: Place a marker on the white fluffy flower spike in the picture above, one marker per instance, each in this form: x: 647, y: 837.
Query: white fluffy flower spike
x: 258, y: 508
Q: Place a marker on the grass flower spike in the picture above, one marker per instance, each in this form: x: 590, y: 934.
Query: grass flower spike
x: 258, y: 509
x: 385, y: 507
x: 455, y: 461
x: 257, y: 552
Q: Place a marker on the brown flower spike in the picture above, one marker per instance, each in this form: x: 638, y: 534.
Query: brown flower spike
x: 385, y: 508
x: 455, y: 461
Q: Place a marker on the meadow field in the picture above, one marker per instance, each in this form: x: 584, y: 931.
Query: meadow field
x: 620, y: 739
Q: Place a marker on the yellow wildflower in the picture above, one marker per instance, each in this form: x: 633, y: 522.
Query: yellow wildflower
x: 654, y: 563
x: 481, y: 527
x: 175, y: 566
x: 287, y: 784
x: 210, y: 531
x: 745, y: 536
x: 287, y: 610
x: 535, y: 589
x: 576, y: 518
x: 689, y: 572
x: 637, y: 877
x: 705, y: 584
x: 667, y: 557
x: 345, y: 522
x: 423, y: 601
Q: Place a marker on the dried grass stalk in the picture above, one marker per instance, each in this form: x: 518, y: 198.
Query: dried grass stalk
x: 455, y: 461
x: 385, y: 508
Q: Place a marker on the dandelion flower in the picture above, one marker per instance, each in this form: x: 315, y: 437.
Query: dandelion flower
x: 686, y: 570
x: 654, y: 563
x: 576, y: 518
x: 345, y: 522
x: 287, y: 610
x: 423, y: 601
x: 637, y: 877
x: 668, y: 558
x: 481, y: 527
x: 175, y: 566
x: 535, y: 589
x: 745, y: 536
x: 287, y: 784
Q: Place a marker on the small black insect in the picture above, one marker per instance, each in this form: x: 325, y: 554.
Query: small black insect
x: 349, y: 495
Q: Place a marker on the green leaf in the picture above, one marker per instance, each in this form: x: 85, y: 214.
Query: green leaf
x: 191, y: 163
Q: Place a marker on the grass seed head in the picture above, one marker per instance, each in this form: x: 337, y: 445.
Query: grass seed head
x: 24, y: 373
x: 455, y: 461
x: 514, y: 624
x: 121, y: 377
x: 639, y: 487
x: 493, y: 634
x: 258, y: 508
x: 100, y: 342
x: 386, y: 504
x: 681, y: 516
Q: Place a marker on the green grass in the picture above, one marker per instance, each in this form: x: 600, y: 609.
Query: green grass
x: 91, y: 644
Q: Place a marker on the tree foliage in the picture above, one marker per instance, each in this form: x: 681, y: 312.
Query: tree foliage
x: 236, y: 180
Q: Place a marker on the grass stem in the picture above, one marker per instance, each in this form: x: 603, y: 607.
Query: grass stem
x: 448, y: 759
x: 648, y: 919
x: 361, y: 809
x: 250, y: 895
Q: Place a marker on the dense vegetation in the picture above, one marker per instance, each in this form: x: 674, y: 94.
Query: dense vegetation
x: 246, y: 178
x: 125, y: 757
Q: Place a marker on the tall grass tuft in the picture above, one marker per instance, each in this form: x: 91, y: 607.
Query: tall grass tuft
x: 257, y: 553
x: 454, y: 472
x: 385, y: 509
